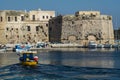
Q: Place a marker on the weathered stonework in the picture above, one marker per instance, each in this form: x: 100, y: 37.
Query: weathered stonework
x: 22, y: 26
x: 81, y: 28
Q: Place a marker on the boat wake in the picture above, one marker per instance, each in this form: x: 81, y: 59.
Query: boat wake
x: 57, y: 72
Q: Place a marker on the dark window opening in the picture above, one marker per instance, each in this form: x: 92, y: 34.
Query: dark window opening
x: 7, y: 29
x: 47, y: 17
x: 73, y: 22
x: 43, y: 17
x: 22, y: 18
x: 1, y: 19
x: 33, y: 17
x: 15, y: 18
x: 37, y: 28
x: 47, y: 25
x: 11, y: 28
x: 28, y: 28
x: 8, y: 18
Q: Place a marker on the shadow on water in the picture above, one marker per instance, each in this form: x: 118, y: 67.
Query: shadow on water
x: 57, y: 72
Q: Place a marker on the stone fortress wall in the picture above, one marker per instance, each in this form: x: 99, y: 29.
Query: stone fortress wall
x: 23, y: 26
x: 81, y: 28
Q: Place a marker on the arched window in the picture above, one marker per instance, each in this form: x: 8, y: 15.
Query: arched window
x: 15, y: 18
x: 9, y: 19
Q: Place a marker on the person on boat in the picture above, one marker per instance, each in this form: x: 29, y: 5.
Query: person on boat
x: 36, y: 58
x: 29, y: 57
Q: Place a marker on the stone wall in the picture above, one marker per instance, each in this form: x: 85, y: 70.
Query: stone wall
x: 23, y: 26
x: 81, y: 29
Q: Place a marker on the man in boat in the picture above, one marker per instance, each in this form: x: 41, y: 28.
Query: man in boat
x: 28, y: 59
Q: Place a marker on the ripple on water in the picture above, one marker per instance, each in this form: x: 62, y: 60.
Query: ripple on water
x: 57, y: 72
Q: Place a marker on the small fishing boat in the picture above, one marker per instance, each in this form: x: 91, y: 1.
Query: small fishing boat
x: 28, y: 58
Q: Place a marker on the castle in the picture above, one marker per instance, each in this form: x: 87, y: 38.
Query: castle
x: 39, y: 25
x: 23, y: 26
x: 81, y: 28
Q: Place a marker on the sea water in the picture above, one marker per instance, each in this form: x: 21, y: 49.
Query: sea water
x: 64, y: 64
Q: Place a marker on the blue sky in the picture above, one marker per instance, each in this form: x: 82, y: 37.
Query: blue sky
x: 109, y: 7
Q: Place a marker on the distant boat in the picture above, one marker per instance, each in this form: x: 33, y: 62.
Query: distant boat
x: 100, y: 45
x: 92, y: 44
x: 20, y: 48
x: 41, y: 45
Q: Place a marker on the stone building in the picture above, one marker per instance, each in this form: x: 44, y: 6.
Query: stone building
x: 23, y: 26
x: 81, y: 28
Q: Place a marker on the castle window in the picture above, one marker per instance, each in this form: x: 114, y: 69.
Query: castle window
x: 6, y: 36
x: 22, y: 18
x: 1, y: 19
x: 47, y: 17
x: 11, y: 28
x: 33, y: 17
x: 15, y: 18
x: 7, y: 29
x: 9, y: 19
x: 43, y: 17
x: 50, y: 16
x: 73, y: 22
x: 47, y: 25
x: 37, y: 28
x: 23, y: 35
x: 28, y: 28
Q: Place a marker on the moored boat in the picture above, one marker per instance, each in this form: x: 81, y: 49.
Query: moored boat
x: 100, y: 46
x: 92, y: 44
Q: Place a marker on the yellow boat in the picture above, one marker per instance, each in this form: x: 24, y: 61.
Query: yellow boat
x: 28, y: 58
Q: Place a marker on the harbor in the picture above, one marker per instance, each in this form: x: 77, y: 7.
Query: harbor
x: 64, y: 64
x: 59, y: 40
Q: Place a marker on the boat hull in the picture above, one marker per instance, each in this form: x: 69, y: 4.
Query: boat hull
x: 28, y: 63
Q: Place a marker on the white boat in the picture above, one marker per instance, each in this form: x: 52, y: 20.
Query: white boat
x: 21, y: 48
x: 100, y: 46
x: 92, y: 44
